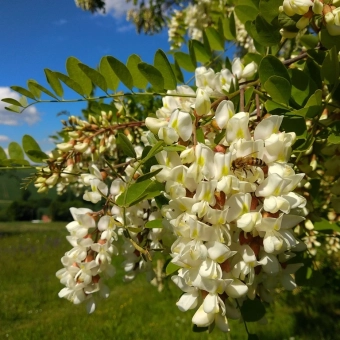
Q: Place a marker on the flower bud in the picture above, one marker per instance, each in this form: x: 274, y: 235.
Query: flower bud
x: 287, y: 34
x: 202, y: 103
x: 154, y: 124
x: 317, y: 7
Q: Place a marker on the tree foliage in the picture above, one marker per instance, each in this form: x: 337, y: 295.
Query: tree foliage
x: 228, y: 172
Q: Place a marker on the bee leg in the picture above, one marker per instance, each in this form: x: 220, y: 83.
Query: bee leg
x: 251, y: 171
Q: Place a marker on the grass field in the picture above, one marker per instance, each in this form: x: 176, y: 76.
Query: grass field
x: 31, y: 309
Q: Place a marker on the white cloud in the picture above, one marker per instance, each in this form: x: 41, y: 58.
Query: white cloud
x: 29, y: 116
x: 117, y: 8
x: 125, y: 28
x: 60, y: 22
x: 4, y: 138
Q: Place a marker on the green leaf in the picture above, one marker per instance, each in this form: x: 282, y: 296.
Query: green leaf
x: 157, y: 148
x: 153, y: 76
x: 302, y: 86
x: 295, y: 124
x: 171, y: 268
x: 216, y: 42
x: 34, y: 90
x: 201, y: 53
x: 333, y: 139
x: 246, y: 13
x: 192, y: 53
x: 126, y: 146
x: 78, y: 76
x: 14, y: 151
x: 174, y: 148
x: 23, y: 91
x: 229, y: 27
x: 264, y: 33
x: 29, y: 144
x: 139, y: 80
x: 148, y: 175
x: 39, y: 87
x: 308, y: 112
x: 269, y: 9
x: 315, y: 99
x: 255, y: 57
x: 309, y: 40
x: 37, y: 154
x: 54, y: 82
x: 278, y: 88
x: 162, y: 64
x: 287, y: 22
x: 3, y: 154
x: 275, y: 108
x: 112, y: 81
x: 326, y: 225
x: 14, y: 162
x: 312, y: 68
x: 184, y: 61
x: 252, y: 310
x: 137, y: 192
x: 200, y: 135
x: 121, y: 71
x: 253, y: 337
x: 271, y: 66
x: 13, y: 108
x: 329, y: 41
x: 95, y: 76
x: 154, y: 224
x: 178, y: 72
x: 12, y: 101
x: 70, y: 83
x: 330, y: 67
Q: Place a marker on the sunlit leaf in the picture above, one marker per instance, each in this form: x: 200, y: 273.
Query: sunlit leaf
x: 200, y: 52
x: 54, y: 82
x: 95, y: 76
x: 70, y: 83
x: 184, y: 61
x: 124, y: 143
x: 154, y: 224
x: 41, y: 88
x: 139, y: 80
x: 216, y: 42
x: 153, y: 76
x: 78, y: 76
x: 15, y: 151
x: 30, y: 144
x: 121, y: 71
x: 162, y: 64
x: 33, y: 89
x: 23, y: 91
x: 112, y: 80
x: 171, y: 268
x: 12, y: 101
x: 3, y: 154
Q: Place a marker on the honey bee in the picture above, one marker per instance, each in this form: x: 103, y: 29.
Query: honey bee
x: 245, y: 163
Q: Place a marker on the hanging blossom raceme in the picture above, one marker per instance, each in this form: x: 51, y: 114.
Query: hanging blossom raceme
x: 231, y: 206
x: 94, y: 236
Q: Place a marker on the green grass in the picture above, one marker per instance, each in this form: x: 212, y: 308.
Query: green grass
x: 31, y: 309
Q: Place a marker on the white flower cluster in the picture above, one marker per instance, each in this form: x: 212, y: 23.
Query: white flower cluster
x: 329, y: 10
x: 89, y: 261
x: 231, y: 205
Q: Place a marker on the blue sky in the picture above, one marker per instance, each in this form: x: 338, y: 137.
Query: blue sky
x: 38, y: 34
